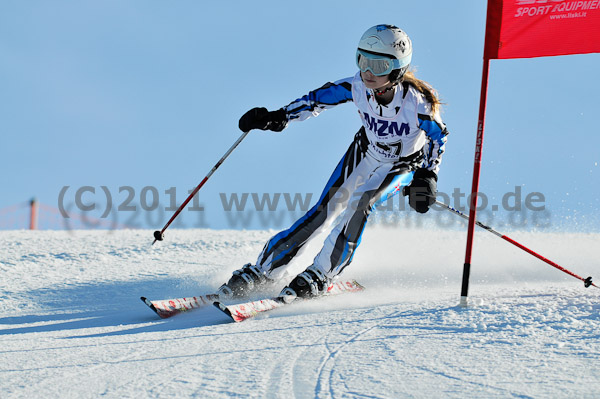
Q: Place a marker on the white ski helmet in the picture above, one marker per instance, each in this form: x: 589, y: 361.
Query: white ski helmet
x: 388, y: 41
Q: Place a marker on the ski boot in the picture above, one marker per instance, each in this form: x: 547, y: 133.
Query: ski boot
x: 310, y: 283
x: 244, y: 281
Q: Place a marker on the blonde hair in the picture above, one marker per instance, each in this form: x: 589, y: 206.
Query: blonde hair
x: 424, y: 88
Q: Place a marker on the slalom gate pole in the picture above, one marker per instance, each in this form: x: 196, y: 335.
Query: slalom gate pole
x: 586, y: 281
x: 159, y: 235
x: 464, y: 292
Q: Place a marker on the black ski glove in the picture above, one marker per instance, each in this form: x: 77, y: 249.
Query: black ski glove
x: 422, y: 190
x: 261, y: 118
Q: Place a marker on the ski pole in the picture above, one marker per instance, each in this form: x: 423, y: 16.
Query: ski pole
x: 159, y: 235
x: 586, y: 281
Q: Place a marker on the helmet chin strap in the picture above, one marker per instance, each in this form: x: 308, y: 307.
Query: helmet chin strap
x: 379, y: 92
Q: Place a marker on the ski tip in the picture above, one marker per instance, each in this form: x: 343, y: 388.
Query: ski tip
x: 162, y: 314
x: 148, y: 302
x: 220, y: 306
x: 223, y: 309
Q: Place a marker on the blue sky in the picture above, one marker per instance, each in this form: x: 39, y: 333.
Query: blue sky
x: 148, y: 94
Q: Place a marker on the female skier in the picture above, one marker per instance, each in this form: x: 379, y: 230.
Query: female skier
x: 400, y: 143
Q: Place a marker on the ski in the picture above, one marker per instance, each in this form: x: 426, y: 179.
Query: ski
x: 166, y: 308
x: 247, y: 310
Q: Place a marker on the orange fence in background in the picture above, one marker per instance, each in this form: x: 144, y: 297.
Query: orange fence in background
x: 34, y: 215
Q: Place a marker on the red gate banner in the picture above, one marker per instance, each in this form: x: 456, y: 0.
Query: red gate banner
x: 540, y: 28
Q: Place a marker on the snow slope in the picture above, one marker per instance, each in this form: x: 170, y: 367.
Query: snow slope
x: 73, y: 325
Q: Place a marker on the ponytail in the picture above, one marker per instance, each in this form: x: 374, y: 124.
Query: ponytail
x: 424, y: 88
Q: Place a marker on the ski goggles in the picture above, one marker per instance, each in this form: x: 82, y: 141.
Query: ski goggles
x: 379, y: 65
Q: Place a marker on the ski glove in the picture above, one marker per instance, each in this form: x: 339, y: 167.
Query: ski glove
x: 261, y: 118
x: 422, y: 190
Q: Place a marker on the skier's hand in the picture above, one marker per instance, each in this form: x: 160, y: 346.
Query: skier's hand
x: 422, y: 190
x: 261, y: 118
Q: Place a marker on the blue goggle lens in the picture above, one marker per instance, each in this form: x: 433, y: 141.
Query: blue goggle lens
x: 377, y: 64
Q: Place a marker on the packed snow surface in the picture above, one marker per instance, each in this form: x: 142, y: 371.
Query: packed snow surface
x: 72, y: 324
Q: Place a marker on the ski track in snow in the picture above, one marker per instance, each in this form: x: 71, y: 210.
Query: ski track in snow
x: 73, y: 325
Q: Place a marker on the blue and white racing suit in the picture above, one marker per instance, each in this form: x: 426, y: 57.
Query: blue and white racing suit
x: 393, y: 142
